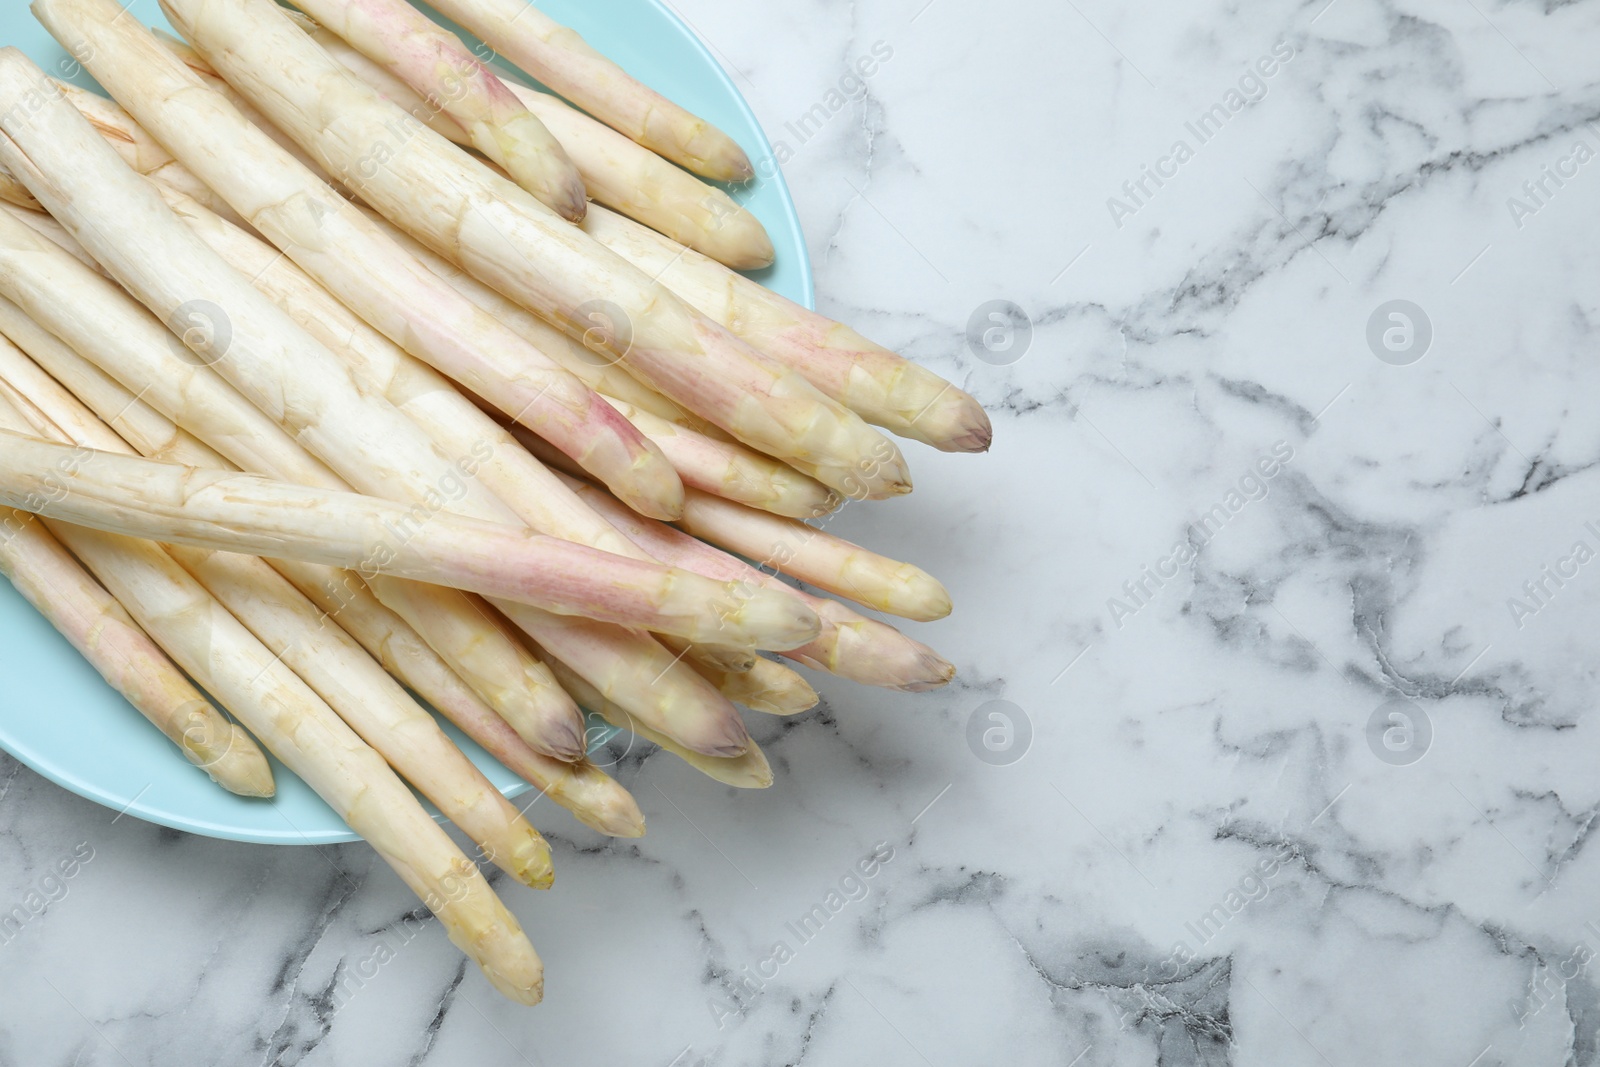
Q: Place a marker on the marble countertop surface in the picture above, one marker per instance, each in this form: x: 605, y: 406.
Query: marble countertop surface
x: 1274, y: 739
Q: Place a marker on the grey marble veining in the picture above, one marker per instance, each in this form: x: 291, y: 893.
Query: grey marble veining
x: 1292, y: 605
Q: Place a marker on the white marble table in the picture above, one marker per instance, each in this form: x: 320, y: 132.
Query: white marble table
x: 1297, y: 637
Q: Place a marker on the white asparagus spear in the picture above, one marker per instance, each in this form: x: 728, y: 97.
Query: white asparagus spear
x: 328, y: 237
x: 15, y: 193
x: 589, y: 793
x: 375, y: 706
x: 106, y: 325
x: 436, y: 65
x: 748, y: 771
x: 141, y: 151
x: 55, y: 233
x: 181, y: 51
x: 618, y: 173
x: 881, y: 386
x: 498, y: 232
x: 104, y: 634
x: 581, y: 787
x: 231, y: 512
x: 302, y: 731
x: 120, y: 218
x: 323, y: 655
x: 732, y: 471
x: 536, y: 495
x: 850, y: 645
x: 768, y: 687
x: 596, y: 368
x: 817, y: 558
x: 561, y: 59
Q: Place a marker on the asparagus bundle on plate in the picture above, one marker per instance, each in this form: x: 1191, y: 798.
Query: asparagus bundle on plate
x: 480, y: 439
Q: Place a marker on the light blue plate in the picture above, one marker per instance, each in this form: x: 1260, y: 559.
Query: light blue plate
x: 60, y: 718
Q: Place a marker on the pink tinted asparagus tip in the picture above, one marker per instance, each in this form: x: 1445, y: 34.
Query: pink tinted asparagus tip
x: 636, y: 470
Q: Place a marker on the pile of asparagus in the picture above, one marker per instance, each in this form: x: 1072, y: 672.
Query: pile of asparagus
x: 324, y: 381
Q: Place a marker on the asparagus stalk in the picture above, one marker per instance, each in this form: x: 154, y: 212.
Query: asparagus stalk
x: 731, y: 470
x: 336, y: 244
x: 324, y: 656
x: 141, y: 151
x: 817, y: 558
x: 104, y: 324
x: 15, y: 194
x: 618, y: 173
x: 850, y: 645
x: 212, y: 80
x: 102, y: 631
x: 121, y: 220
x: 341, y: 596
x: 230, y: 512
x: 504, y: 236
x: 52, y: 231
x: 536, y: 495
x: 374, y: 705
x: 130, y: 418
x: 767, y: 687
x: 302, y: 731
x: 579, y: 786
x: 882, y: 387
x: 561, y: 59
x: 594, y: 367
x: 436, y: 65
x: 748, y: 771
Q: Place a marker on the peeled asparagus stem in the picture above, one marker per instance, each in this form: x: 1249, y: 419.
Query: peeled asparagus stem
x: 342, y: 597
x: 339, y: 246
x: 817, y: 558
x: 504, y: 236
x: 141, y: 151
x: 436, y: 65
x: 596, y: 368
x: 302, y: 731
x: 560, y: 58
x: 579, y: 786
x: 748, y: 771
x: 52, y: 231
x: 882, y: 387
x: 850, y: 644
x: 323, y: 655
x: 103, y: 323
x: 767, y: 687
x: 455, y: 424
x: 119, y: 218
x: 618, y: 173
x: 230, y: 512
x: 731, y: 470
x: 104, y: 634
